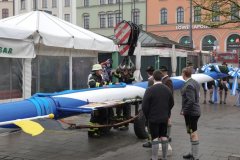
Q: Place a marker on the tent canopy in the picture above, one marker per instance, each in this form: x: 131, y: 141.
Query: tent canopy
x: 70, y: 47
x: 149, y: 39
x: 52, y: 31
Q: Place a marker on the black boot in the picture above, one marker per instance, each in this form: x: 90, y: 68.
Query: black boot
x: 147, y: 144
x: 188, y: 156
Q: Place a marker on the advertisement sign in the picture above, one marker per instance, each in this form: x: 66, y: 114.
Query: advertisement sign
x: 227, y: 57
x: 12, y: 48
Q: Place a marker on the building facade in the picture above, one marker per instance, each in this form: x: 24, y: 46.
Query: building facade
x: 64, y: 9
x: 6, y: 8
x: 170, y: 18
x: 101, y: 16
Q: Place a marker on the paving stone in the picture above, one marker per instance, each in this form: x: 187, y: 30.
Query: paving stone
x: 234, y: 157
x: 218, y: 130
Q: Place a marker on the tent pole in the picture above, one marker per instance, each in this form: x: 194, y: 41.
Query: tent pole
x: 70, y: 70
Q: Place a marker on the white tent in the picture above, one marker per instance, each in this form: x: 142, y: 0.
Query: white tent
x: 161, y: 52
x: 52, y: 31
x: 39, y: 33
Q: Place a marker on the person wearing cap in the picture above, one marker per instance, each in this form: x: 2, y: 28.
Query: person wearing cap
x: 95, y: 78
x: 190, y: 64
x: 150, y: 71
x: 168, y: 82
x: 98, y: 116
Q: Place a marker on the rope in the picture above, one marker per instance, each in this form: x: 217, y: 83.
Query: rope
x: 99, y: 126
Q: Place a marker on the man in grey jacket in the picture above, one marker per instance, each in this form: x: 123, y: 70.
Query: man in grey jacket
x: 191, y: 111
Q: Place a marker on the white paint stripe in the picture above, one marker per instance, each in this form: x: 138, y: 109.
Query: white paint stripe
x: 106, y: 94
x: 200, y: 78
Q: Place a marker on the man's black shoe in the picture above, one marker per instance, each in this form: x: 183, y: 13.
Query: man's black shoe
x: 123, y: 128
x: 147, y: 145
x: 187, y: 156
x: 169, y: 139
x: 211, y: 102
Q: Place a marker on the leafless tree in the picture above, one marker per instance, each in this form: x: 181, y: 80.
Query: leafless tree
x: 217, y: 13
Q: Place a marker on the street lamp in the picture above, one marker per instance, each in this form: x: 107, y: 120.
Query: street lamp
x: 190, y: 26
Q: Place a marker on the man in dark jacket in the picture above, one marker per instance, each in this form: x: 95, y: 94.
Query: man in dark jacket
x: 124, y: 75
x: 157, y: 104
x: 168, y: 82
x: 191, y: 111
x: 149, y: 70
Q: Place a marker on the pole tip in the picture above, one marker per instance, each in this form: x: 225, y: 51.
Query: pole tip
x: 51, y: 116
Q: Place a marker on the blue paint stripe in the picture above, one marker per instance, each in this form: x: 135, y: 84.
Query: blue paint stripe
x: 141, y: 84
x: 38, y: 108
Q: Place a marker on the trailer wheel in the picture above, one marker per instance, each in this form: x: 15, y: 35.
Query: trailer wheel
x: 139, y: 126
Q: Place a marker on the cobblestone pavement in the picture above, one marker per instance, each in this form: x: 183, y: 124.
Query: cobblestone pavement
x: 219, y: 130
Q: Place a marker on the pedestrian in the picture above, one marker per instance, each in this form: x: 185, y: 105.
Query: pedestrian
x: 125, y: 75
x: 157, y: 104
x: 149, y: 71
x: 190, y: 64
x: 168, y: 82
x: 223, y: 85
x: 191, y: 111
x: 208, y: 86
x: 97, y: 116
x: 107, y: 73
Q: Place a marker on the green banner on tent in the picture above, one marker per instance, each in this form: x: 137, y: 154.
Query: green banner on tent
x: 11, y: 48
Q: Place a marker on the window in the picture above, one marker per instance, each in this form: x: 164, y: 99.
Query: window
x: 50, y: 74
x: 54, y: 3
x: 118, y: 17
x: 164, y: 16
x: 11, y: 78
x: 208, y: 43
x: 215, y: 13
x: 233, y: 43
x: 102, y: 2
x: 23, y: 4
x: 86, y: 21
x: 110, y: 20
x: 136, y: 16
x: 5, y: 13
x: 102, y: 18
x: 85, y: 63
x: 110, y: 1
x: 67, y: 17
x: 44, y: 3
x: 185, y: 40
x: 67, y: 3
x: 234, y: 12
x: 197, y: 14
x: 180, y: 15
x: 86, y: 3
